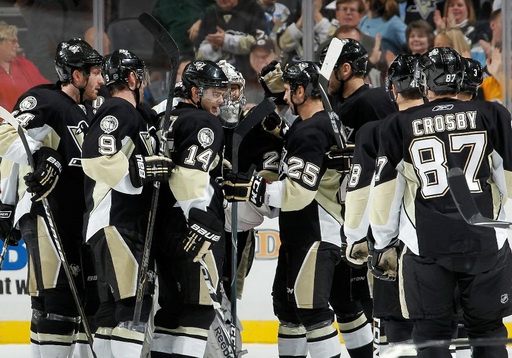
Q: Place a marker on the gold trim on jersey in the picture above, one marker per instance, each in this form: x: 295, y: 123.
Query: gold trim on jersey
x: 327, y: 194
x: 383, y: 197
x: 106, y: 169
x: 356, y: 202
x: 48, y: 256
x: 8, y: 135
x: 305, y: 282
x: 187, y: 184
x: 401, y: 290
x: 410, y: 192
x: 351, y: 326
x: 125, y: 265
x: 46, y: 338
x: 295, y: 196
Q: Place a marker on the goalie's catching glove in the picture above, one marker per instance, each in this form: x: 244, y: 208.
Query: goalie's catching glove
x: 204, y: 231
x: 149, y: 169
x: 244, y: 187
x: 383, y: 263
x: 356, y: 254
x: 7, y: 232
x: 46, y: 174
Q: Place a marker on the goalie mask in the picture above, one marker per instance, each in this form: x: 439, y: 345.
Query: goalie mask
x: 443, y: 69
x: 473, y: 76
x: 232, y: 108
x: 75, y: 54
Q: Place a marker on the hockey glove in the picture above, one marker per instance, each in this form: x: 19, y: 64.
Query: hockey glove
x: 46, y: 174
x: 356, y: 254
x: 271, y: 79
x: 383, y: 263
x: 204, y: 231
x: 7, y: 232
x: 275, y: 125
x: 149, y: 169
x: 244, y: 187
x: 340, y: 159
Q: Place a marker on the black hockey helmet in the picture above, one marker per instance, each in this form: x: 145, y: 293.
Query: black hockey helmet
x: 75, y: 54
x: 304, y: 73
x: 117, y: 67
x: 443, y: 69
x: 473, y: 75
x: 354, y: 54
x: 404, y: 75
x: 203, y: 74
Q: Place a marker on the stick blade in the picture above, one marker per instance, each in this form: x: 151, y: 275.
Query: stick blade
x: 466, y: 204
x: 331, y: 57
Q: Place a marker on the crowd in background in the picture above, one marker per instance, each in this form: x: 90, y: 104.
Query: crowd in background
x: 251, y: 33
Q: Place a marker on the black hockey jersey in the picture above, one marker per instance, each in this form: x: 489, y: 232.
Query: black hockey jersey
x: 52, y: 119
x: 307, y: 189
x: 364, y: 105
x: 117, y: 132
x: 196, y: 142
x: 411, y: 196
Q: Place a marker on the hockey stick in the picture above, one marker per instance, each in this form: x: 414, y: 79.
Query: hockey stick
x: 54, y: 234
x: 4, y: 251
x: 231, y: 352
x: 330, y: 60
x: 467, y: 205
x: 168, y: 44
x: 254, y: 117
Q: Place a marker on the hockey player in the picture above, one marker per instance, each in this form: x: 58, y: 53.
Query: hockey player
x: 411, y: 200
x: 356, y: 104
x: 306, y: 189
x: 120, y: 164
x: 405, y: 88
x: 191, y: 221
x: 55, y: 122
x: 473, y: 77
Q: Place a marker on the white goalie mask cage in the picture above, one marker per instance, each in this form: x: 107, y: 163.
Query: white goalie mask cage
x: 231, y: 109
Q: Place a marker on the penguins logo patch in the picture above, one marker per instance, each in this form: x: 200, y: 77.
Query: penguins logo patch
x: 109, y: 124
x: 82, y: 107
x: 28, y: 103
x: 205, y: 137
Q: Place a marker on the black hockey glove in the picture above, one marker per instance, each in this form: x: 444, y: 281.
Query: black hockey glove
x: 204, y: 231
x: 340, y: 159
x: 44, y: 178
x: 383, y: 263
x: 244, y: 187
x: 356, y: 254
x: 271, y: 79
x: 7, y: 232
x: 275, y: 125
x: 149, y: 169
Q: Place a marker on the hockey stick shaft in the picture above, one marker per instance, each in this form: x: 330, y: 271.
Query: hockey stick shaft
x: 168, y: 44
x: 4, y: 252
x: 466, y: 204
x: 54, y: 234
x: 219, y: 316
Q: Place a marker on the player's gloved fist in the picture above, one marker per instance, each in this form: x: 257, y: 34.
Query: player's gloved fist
x: 7, y: 232
x: 149, y: 169
x: 204, y: 230
x: 383, y: 263
x: 244, y: 187
x: 275, y: 125
x: 356, y: 253
x: 46, y: 174
x: 271, y: 79
x: 340, y: 159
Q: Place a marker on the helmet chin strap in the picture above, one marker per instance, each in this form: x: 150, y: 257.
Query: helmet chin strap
x: 81, y: 90
x: 296, y: 105
x: 342, y: 81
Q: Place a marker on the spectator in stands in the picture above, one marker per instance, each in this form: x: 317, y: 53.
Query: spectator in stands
x: 420, y: 37
x: 495, y: 24
x: 461, y: 14
x: 493, y: 86
x: 276, y: 14
x: 262, y: 53
x: 454, y: 38
x: 17, y: 74
x: 421, y: 10
x: 382, y: 18
x: 350, y: 13
x: 228, y: 30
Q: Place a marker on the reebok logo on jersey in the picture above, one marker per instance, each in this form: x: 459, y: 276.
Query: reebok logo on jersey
x: 442, y: 107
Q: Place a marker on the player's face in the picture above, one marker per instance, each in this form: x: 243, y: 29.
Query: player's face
x: 348, y: 14
x: 334, y: 85
x: 94, y: 83
x: 212, y: 99
x: 418, y: 42
x: 259, y: 58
